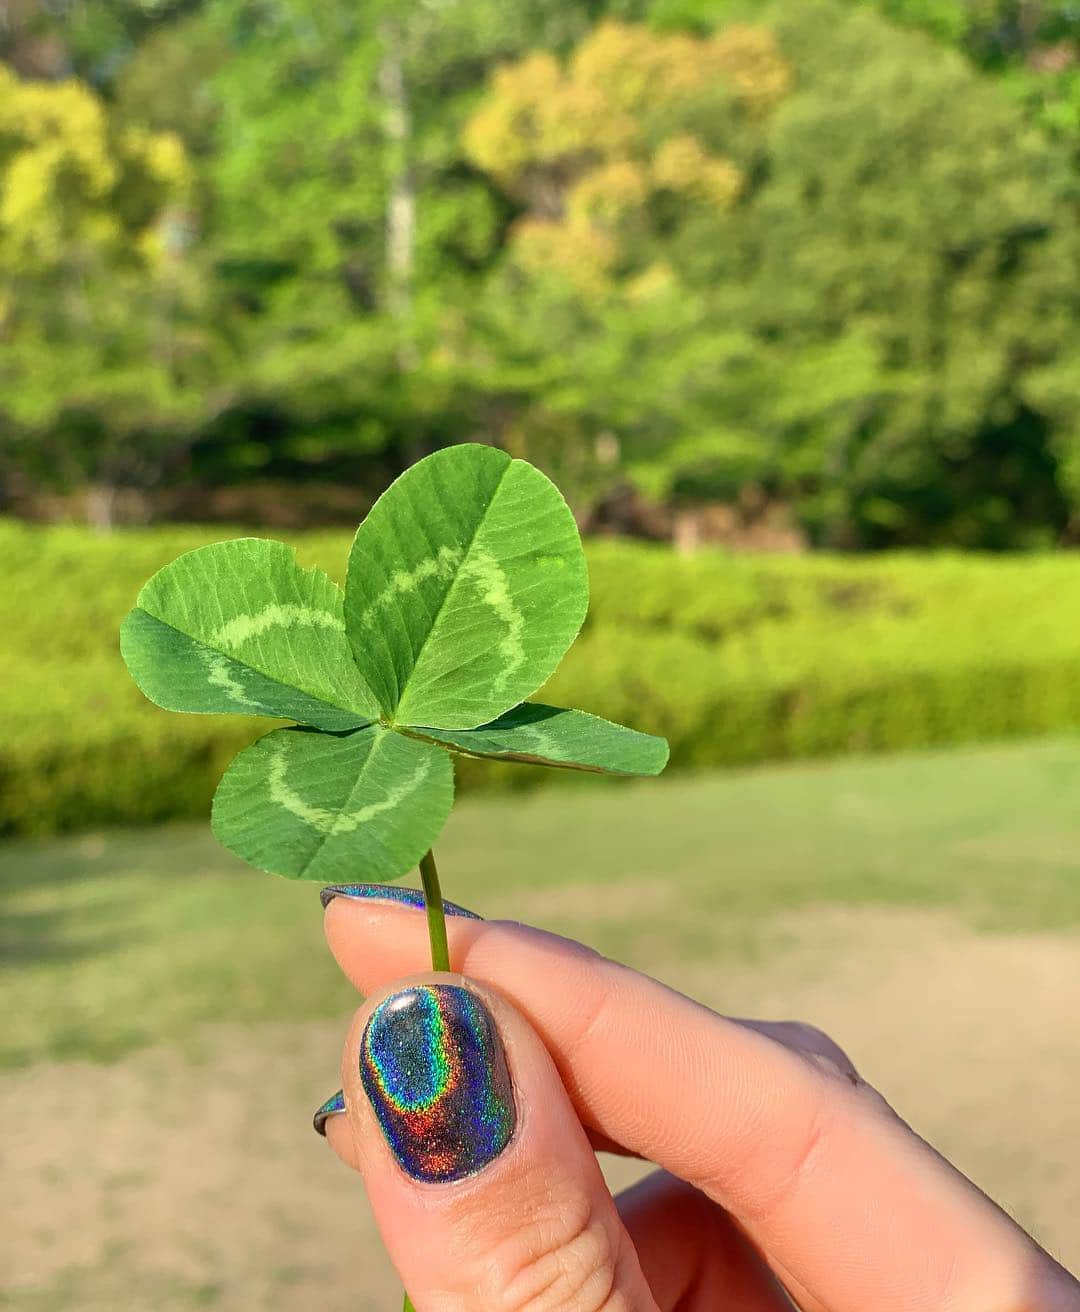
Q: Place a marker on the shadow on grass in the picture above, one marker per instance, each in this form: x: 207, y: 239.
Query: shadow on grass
x: 76, y: 898
x: 49, y: 936
x: 168, y: 850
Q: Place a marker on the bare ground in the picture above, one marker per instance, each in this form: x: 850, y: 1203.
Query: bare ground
x: 185, y: 1178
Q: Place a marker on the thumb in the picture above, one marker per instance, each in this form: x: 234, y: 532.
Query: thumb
x: 483, y: 1183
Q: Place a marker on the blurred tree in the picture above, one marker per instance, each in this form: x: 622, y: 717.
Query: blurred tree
x: 908, y: 203
x: 790, y: 248
x: 90, y: 39
x: 1032, y: 45
x: 623, y: 164
x: 98, y: 353
x: 341, y: 215
x: 863, y: 325
x: 328, y: 202
x: 606, y: 155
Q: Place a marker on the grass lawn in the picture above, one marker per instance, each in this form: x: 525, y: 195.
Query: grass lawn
x: 112, y: 942
x: 172, y: 1018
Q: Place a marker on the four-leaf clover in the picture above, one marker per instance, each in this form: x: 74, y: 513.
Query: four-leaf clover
x: 466, y: 585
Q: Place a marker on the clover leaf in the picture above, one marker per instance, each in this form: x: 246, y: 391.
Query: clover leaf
x: 316, y: 806
x: 551, y: 735
x: 239, y: 627
x: 466, y: 584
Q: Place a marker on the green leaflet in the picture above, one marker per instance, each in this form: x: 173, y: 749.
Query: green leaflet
x: 466, y: 585
x: 239, y: 627
x: 550, y: 735
x: 358, y: 806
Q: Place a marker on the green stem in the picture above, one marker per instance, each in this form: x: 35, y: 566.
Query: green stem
x: 440, y: 949
x: 436, y: 921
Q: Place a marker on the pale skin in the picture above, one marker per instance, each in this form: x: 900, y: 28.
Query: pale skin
x: 785, y: 1179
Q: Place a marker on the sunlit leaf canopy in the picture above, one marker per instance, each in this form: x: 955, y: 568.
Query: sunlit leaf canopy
x: 466, y: 585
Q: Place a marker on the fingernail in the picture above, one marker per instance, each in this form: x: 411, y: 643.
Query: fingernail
x: 333, y: 1106
x: 433, y: 1065
x: 409, y: 897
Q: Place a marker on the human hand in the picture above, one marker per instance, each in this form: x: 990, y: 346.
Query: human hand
x: 783, y: 1172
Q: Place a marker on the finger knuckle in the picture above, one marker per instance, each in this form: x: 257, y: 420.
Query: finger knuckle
x: 565, y: 1257
x: 781, y: 1176
x: 593, y: 1016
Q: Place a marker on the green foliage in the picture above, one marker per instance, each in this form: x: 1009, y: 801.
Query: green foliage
x: 103, y: 352
x: 815, y: 656
x: 718, y: 249
x: 941, y: 269
x: 344, y: 225
x: 881, y: 331
x: 1031, y: 44
x: 732, y: 658
x: 466, y: 584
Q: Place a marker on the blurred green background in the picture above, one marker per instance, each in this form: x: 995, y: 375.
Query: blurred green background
x: 785, y: 295
x: 773, y: 273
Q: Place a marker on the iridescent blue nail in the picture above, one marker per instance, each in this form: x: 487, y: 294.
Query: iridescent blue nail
x: 433, y: 1065
x: 408, y: 897
x: 333, y: 1106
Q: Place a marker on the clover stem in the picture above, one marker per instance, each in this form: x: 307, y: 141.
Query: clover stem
x: 436, y: 920
x: 440, y: 950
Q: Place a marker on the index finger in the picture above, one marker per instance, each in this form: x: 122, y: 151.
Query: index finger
x: 839, y: 1193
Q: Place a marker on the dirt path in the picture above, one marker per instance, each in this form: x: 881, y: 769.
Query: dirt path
x: 190, y: 1179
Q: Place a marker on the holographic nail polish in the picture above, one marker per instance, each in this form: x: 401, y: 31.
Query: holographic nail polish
x: 409, y: 897
x: 433, y: 1065
x: 333, y: 1106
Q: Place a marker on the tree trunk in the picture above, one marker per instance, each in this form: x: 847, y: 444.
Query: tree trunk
x: 401, y: 201
x: 100, y: 504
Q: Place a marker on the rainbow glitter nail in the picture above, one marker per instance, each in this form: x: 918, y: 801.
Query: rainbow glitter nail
x: 331, y: 1107
x: 433, y: 1066
x: 409, y: 897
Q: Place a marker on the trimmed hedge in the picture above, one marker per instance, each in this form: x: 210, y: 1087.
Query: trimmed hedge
x: 734, y: 658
